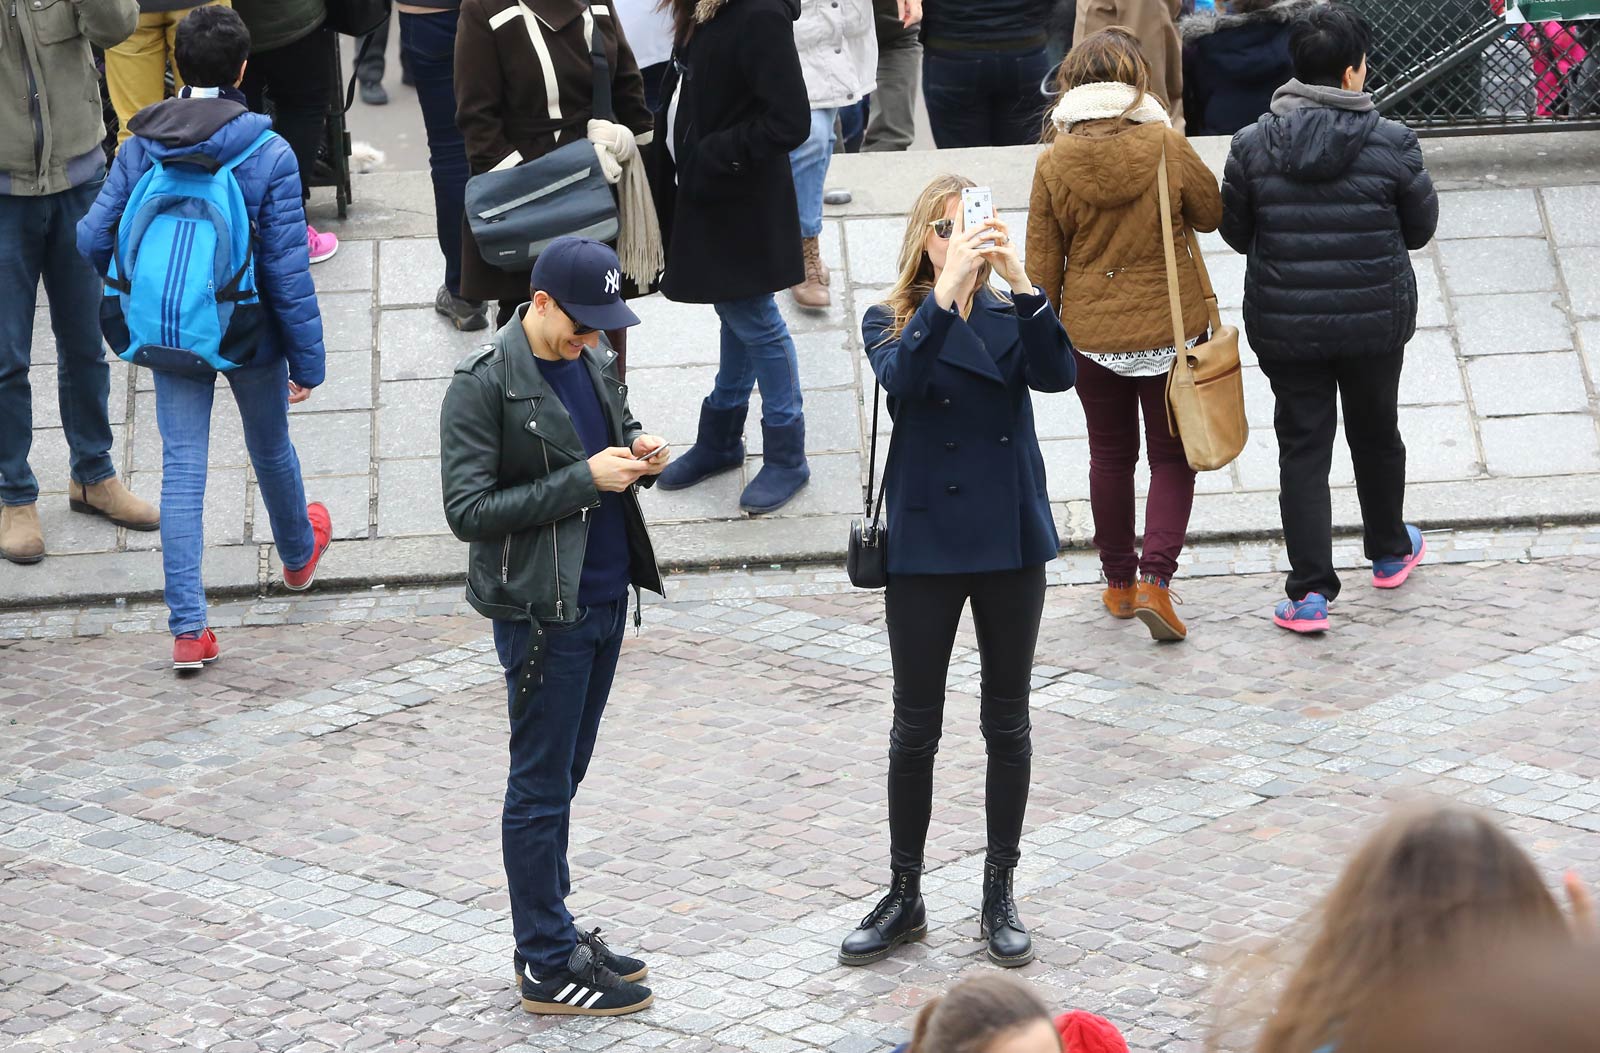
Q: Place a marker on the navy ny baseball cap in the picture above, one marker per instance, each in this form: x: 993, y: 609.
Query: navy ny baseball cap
x: 584, y: 277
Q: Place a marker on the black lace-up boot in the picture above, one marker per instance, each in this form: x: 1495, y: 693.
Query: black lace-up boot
x: 898, y: 918
x: 1009, y: 943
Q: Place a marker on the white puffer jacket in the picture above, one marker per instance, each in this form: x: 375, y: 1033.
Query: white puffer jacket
x: 838, y: 51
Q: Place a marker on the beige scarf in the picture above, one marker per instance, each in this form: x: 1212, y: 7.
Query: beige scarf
x: 1101, y: 100
x: 639, y: 247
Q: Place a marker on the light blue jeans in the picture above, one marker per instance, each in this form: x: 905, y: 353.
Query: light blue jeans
x: 183, y: 416
x: 756, y: 346
x: 809, y: 161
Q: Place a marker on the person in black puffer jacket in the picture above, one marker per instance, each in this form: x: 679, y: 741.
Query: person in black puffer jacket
x: 1234, y: 57
x: 1325, y: 199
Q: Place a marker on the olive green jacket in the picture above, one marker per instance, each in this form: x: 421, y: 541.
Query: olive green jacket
x: 50, y: 124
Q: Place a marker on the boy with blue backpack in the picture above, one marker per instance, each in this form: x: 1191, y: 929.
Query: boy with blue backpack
x: 200, y: 234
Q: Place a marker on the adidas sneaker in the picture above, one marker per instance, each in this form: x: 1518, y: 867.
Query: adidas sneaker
x: 584, y: 988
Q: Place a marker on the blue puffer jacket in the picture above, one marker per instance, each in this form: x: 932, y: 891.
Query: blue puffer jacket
x: 270, y: 182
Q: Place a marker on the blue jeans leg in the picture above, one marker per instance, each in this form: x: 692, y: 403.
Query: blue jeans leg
x: 552, y: 741
x: 809, y: 162
x: 183, y: 417
x: 263, y: 397
x: 757, y: 349
x: 38, y: 234
x: 428, y: 50
x: 953, y: 86
x: 1017, y: 105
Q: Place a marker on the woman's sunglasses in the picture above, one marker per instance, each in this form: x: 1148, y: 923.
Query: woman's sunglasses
x: 578, y: 328
x: 943, y: 228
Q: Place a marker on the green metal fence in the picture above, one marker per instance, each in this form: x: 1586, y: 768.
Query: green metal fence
x: 1454, y: 66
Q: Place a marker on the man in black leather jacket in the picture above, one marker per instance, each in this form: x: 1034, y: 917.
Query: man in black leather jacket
x: 541, y: 463
x: 1327, y: 200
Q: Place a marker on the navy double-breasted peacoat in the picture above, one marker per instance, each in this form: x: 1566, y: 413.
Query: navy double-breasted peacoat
x: 965, y: 487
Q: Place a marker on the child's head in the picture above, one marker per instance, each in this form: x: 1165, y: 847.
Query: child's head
x: 211, y: 47
x: 986, y: 1014
x: 1432, y: 883
x: 1328, y: 45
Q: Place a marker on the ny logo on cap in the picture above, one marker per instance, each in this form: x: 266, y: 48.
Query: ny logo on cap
x: 613, y: 281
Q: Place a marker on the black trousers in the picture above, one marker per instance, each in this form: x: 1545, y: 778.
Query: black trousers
x: 298, y: 78
x: 1305, y: 420
x: 923, y: 613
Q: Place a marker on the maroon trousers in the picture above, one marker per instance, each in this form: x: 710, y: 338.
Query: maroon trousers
x: 1111, y: 406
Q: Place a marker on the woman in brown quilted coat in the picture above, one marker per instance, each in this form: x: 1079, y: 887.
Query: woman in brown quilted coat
x: 1094, y: 247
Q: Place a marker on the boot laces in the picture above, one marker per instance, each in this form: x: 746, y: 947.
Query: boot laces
x: 887, y: 906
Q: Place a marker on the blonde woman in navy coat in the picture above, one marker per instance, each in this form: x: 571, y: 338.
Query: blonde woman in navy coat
x: 968, y: 520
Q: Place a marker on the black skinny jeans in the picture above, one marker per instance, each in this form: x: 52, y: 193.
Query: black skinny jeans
x: 923, y: 613
x: 298, y: 78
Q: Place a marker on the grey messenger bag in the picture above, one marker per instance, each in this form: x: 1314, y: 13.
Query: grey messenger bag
x: 515, y: 213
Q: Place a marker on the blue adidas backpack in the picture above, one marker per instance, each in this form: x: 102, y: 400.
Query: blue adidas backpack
x: 181, y: 292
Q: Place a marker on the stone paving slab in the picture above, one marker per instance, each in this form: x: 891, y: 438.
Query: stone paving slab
x: 298, y: 849
x: 1499, y: 394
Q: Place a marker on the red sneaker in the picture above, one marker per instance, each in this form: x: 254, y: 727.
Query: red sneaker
x: 322, y: 532
x: 194, y: 650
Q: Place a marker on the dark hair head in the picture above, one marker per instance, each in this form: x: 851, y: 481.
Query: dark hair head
x: 975, y: 1012
x: 1326, y: 41
x: 211, y: 46
x: 1110, y: 56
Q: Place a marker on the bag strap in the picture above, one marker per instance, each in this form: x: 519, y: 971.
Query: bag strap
x: 355, y: 70
x: 874, y: 508
x: 601, y: 94
x: 1180, y: 361
x: 255, y: 144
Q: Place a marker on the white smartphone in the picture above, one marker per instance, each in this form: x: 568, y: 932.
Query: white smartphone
x: 646, y: 455
x: 977, y: 208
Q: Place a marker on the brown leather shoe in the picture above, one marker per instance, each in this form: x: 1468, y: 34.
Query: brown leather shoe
x: 1152, y: 605
x: 21, y: 539
x: 1119, y: 600
x: 813, y: 292
x: 113, y: 501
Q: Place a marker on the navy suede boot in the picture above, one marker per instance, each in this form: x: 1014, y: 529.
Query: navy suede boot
x: 783, y: 470
x: 718, y: 446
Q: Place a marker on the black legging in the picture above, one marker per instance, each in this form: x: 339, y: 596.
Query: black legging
x: 298, y: 78
x: 923, y: 613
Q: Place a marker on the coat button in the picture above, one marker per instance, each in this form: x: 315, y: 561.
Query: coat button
x: 916, y: 334
x: 949, y: 445
x: 1005, y: 440
x: 952, y: 489
x: 945, y: 403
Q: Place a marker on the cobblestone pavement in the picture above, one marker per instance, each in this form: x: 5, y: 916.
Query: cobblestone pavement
x: 1498, y: 407
x: 298, y: 850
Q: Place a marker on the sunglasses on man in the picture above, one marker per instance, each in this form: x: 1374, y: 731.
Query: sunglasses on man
x: 578, y: 328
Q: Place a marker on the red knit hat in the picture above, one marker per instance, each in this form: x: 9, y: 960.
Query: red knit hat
x: 1083, y: 1032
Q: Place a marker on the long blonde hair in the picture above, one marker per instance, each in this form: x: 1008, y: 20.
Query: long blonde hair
x: 916, y: 270
x: 1434, y: 883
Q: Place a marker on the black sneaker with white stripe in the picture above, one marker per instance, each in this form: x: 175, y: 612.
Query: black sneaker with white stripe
x: 584, y: 988
x: 630, y: 969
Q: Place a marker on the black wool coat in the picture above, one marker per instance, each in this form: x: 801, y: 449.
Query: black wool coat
x: 1326, y: 201
x: 726, y: 193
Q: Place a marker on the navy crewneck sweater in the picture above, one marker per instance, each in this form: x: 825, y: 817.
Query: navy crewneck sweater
x: 605, y: 561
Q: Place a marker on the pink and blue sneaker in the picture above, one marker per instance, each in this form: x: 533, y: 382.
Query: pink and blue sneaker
x: 1309, y: 615
x: 1391, y: 572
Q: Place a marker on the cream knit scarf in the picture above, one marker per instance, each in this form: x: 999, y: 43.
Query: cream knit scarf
x: 1099, y: 101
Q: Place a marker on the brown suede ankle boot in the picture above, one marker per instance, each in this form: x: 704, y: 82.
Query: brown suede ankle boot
x: 813, y: 292
x: 112, y: 500
x: 1152, y: 605
x: 1118, y: 598
x: 21, y: 538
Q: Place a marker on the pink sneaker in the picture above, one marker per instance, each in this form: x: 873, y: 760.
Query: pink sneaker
x: 322, y: 246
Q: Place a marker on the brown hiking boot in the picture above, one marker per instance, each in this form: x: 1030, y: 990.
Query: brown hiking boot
x: 21, y: 539
x: 1119, y: 600
x: 113, y: 501
x: 1152, y: 605
x: 813, y: 292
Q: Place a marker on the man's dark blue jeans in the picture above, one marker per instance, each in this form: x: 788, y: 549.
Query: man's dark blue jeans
x: 428, y: 51
x: 984, y: 98
x: 39, y: 239
x: 552, y: 739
